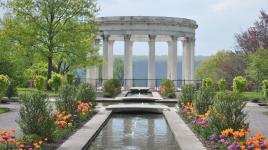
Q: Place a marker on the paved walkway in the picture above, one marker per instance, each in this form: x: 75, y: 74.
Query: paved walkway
x: 258, y: 120
x: 8, y: 120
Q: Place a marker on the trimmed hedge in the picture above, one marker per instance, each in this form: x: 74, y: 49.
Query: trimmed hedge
x: 168, y: 89
x: 112, y: 88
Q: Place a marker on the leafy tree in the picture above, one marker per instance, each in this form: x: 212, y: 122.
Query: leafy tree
x: 118, y: 69
x: 258, y: 66
x: 224, y: 64
x: 56, y: 31
x: 256, y: 36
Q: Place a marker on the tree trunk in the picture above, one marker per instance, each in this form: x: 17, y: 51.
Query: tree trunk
x: 49, y: 71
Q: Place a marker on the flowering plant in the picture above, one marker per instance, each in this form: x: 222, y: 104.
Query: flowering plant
x: 201, y: 120
x: 84, y: 108
x: 8, y: 141
x: 237, y: 140
x: 63, y: 119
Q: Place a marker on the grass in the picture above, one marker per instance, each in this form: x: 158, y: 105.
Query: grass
x: 3, y: 110
x: 251, y: 96
x: 266, y: 113
x: 28, y: 91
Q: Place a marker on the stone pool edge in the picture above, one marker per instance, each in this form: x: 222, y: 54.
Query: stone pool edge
x: 85, y: 135
x: 184, y: 137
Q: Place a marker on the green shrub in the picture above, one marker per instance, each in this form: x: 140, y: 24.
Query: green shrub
x: 11, y: 90
x: 39, y: 82
x: 67, y: 99
x: 168, y: 89
x: 222, y: 84
x: 30, y: 139
x: 4, y: 83
x: 35, y: 115
x: 265, y: 89
x: 70, y: 78
x: 187, y: 94
x: 55, y: 82
x: 239, y: 84
x: 203, y: 100
x: 227, y: 112
x: 112, y: 88
x: 86, y: 93
x: 207, y: 82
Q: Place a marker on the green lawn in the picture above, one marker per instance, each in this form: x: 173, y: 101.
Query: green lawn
x: 27, y: 91
x: 266, y: 113
x: 251, y: 96
x: 3, y: 110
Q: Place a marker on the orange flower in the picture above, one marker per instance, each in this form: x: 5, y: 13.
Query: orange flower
x: 266, y: 144
x: 259, y: 136
x: 242, y: 147
x: 11, y: 141
x: 227, y: 132
x: 2, y: 141
x: 13, y: 130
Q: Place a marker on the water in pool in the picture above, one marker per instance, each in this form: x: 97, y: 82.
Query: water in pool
x: 135, y: 132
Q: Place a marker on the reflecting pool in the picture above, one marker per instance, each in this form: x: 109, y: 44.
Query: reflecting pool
x: 135, y: 132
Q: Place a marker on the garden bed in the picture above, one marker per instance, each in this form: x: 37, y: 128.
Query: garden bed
x: 56, y: 143
x: 208, y: 144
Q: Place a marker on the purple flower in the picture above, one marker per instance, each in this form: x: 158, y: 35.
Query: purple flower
x: 234, y: 146
x: 4, y: 137
x: 12, y: 137
x: 223, y: 137
x: 213, y: 137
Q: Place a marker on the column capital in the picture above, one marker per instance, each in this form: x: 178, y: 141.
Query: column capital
x: 127, y: 37
x: 111, y: 41
x: 174, y: 37
x: 97, y: 41
x: 105, y: 37
x: 152, y: 37
x: 190, y: 39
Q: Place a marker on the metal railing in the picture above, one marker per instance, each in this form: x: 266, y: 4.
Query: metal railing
x: 138, y: 82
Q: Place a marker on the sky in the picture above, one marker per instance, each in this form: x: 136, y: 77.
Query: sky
x: 218, y: 20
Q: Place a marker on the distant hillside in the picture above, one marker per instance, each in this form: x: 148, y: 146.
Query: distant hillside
x: 140, y: 66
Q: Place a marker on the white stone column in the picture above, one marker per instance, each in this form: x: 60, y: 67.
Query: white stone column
x: 172, y: 71
x: 110, y: 61
x: 92, y: 73
x: 187, y: 60
x: 128, y: 74
x: 151, y: 62
x: 105, y: 57
x: 192, y: 59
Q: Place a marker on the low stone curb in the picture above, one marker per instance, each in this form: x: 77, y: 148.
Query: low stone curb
x: 185, y: 138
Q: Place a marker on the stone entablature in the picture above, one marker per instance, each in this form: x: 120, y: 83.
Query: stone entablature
x: 141, y: 26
